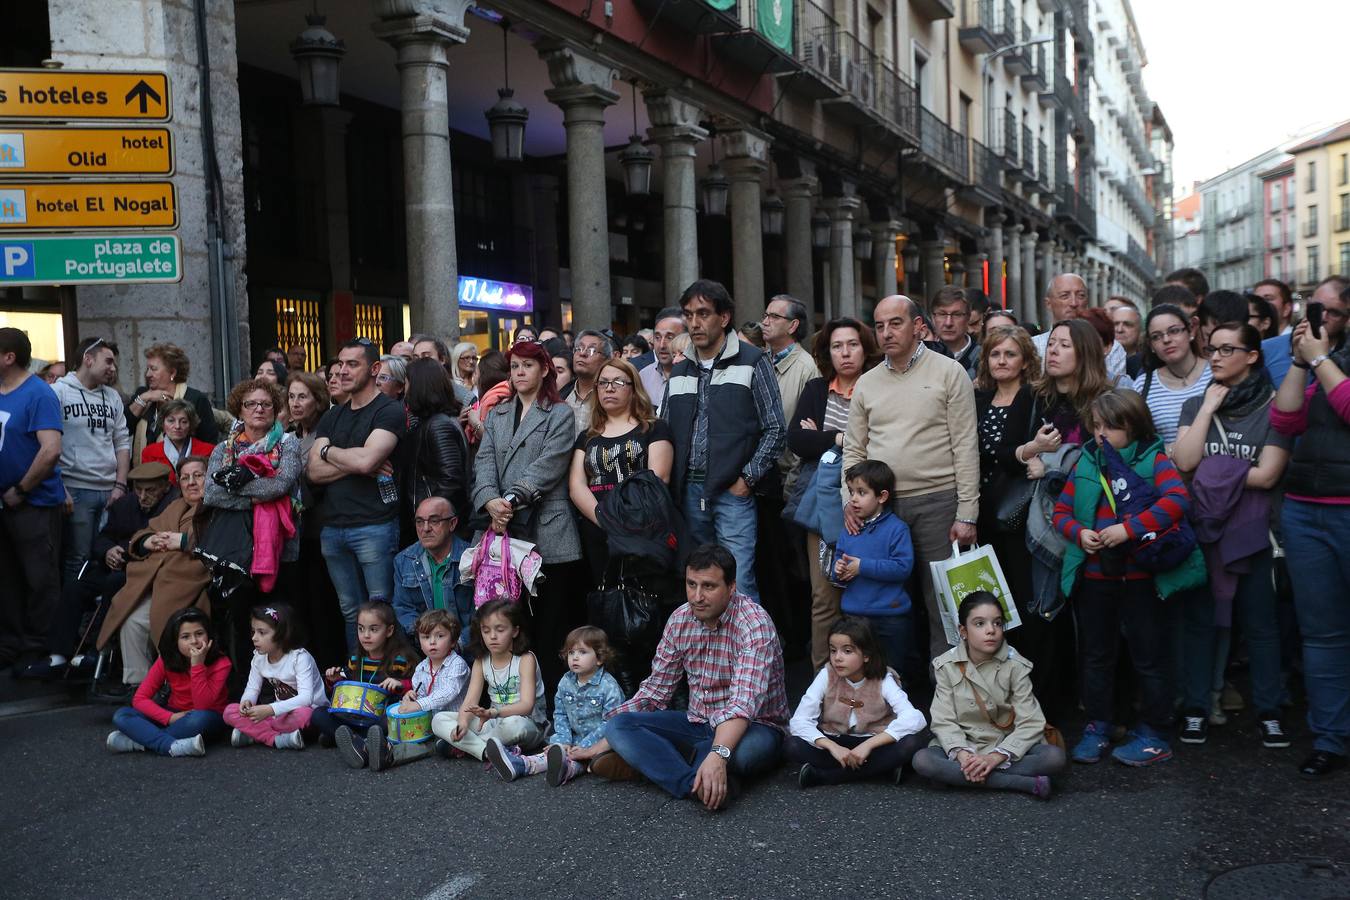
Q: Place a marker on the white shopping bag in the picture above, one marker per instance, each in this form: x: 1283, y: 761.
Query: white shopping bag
x: 976, y: 569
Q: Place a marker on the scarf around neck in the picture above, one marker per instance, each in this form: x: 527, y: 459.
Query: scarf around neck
x: 238, y: 445
x: 1248, y: 395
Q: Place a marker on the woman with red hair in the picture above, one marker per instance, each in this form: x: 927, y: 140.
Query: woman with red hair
x: 520, y: 483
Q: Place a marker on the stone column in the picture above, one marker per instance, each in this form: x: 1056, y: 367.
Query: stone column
x: 1099, y: 283
x: 841, y: 211
x: 1013, y: 282
x: 934, y: 275
x: 1046, y: 251
x: 422, y: 42
x: 1028, y: 309
x: 883, y: 256
x: 798, y: 195
x: 746, y: 161
x: 582, y: 88
x: 994, y: 247
x: 676, y: 131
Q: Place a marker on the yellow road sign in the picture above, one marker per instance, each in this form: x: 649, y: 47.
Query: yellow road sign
x: 77, y: 206
x: 86, y: 151
x: 69, y: 94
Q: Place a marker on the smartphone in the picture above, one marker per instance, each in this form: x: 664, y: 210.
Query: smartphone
x: 1313, y: 312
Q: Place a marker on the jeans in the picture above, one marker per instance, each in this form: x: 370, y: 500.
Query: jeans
x: 1104, y: 610
x: 895, y: 634
x: 1314, y: 539
x: 361, y: 564
x: 882, y: 762
x: 80, y: 527
x: 30, y: 564
x: 727, y: 520
x: 1043, y: 759
x: 655, y: 743
x: 159, y: 738
x: 1207, y: 646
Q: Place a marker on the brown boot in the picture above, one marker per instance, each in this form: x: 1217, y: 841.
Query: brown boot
x: 612, y: 767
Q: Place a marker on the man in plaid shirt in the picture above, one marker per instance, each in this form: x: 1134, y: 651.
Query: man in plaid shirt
x: 726, y: 645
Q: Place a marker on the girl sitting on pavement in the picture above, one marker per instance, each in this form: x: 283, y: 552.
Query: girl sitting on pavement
x: 988, y: 729
x: 586, y: 694
x: 297, y: 687
x: 385, y: 660
x: 854, y: 722
x: 516, y: 714
x: 438, y: 683
x: 196, y: 672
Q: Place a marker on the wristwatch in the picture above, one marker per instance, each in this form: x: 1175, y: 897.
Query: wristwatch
x: 724, y: 752
x: 1317, y: 361
x: 323, y: 452
x: 512, y: 499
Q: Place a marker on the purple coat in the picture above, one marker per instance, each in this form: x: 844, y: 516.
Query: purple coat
x: 1232, y: 523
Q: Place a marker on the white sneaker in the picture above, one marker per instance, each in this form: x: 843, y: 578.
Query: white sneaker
x: 193, y: 746
x: 291, y: 740
x: 239, y: 739
x: 120, y: 743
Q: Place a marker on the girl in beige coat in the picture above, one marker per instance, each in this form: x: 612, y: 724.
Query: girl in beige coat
x: 988, y: 728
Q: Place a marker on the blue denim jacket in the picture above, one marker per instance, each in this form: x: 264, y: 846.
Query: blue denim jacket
x: 412, y: 585
x: 580, y: 709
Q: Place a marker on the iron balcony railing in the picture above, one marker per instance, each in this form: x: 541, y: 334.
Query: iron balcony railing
x: 1009, y: 142
x: 985, y: 169
x: 1142, y: 261
x: 1043, y: 163
x: 944, y: 148
x: 1028, y: 153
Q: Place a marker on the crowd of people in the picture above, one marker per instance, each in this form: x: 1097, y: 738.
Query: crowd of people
x: 659, y: 524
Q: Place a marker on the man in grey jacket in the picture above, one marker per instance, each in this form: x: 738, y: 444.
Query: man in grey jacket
x: 95, y: 447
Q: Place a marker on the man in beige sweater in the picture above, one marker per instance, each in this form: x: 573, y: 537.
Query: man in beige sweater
x: 916, y: 413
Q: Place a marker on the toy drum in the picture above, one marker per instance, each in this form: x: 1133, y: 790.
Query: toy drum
x: 360, y: 701
x: 410, y: 727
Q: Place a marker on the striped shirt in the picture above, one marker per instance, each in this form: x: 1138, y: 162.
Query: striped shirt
x: 1165, y: 403
x: 735, y: 668
x: 836, y: 412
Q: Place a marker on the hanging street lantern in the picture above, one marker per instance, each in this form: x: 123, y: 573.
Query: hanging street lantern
x: 820, y: 231
x: 772, y: 212
x: 636, y: 160
x: 713, y: 190
x: 318, y: 53
x: 507, y: 117
x: 862, y: 244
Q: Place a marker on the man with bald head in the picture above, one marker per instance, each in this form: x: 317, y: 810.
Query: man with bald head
x: 426, y: 573
x: 916, y: 413
x: 1065, y: 299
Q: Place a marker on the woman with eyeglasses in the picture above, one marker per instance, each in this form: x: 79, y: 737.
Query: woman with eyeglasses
x: 392, y: 379
x: 625, y: 437
x: 1174, y: 371
x: 253, y: 481
x: 1236, y: 459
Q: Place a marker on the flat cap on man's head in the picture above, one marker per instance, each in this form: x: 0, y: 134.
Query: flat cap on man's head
x: 150, y: 471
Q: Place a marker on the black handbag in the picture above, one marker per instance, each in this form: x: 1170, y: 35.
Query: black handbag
x: 1013, y: 493
x: 627, y: 613
x: 225, y: 547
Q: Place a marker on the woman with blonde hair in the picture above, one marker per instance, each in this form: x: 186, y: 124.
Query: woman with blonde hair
x: 166, y: 375
x: 625, y: 438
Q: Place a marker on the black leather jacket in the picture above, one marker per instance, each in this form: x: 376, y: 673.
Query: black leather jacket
x: 436, y: 464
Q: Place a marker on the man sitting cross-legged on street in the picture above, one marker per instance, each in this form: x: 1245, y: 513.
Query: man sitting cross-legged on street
x: 726, y: 645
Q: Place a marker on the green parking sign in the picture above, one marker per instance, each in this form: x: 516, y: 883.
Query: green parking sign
x: 114, y: 259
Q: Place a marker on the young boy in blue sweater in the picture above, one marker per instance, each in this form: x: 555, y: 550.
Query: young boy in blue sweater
x: 875, y: 563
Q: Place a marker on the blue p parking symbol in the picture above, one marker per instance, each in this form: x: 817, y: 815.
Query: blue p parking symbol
x: 16, y: 261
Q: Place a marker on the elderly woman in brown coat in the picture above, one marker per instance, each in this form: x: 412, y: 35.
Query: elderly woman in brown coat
x: 163, y: 576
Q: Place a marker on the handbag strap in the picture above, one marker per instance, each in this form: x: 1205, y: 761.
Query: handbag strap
x: 979, y: 701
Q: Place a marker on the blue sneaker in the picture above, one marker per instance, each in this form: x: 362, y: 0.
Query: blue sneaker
x: 1096, y: 738
x: 508, y: 765
x: 1144, y: 747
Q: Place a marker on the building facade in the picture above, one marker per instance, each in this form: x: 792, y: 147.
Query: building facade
x: 838, y: 150
x: 1322, y: 199
x: 1279, y: 229
x: 1233, y: 224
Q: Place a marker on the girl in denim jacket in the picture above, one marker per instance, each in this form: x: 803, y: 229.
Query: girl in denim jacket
x: 586, y: 694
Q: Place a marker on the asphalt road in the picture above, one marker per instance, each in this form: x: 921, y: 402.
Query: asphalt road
x: 82, y: 822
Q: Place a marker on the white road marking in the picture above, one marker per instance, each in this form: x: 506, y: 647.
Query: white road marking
x: 455, y: 887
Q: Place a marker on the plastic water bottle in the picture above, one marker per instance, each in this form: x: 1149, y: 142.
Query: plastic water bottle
x: 388, y: 489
